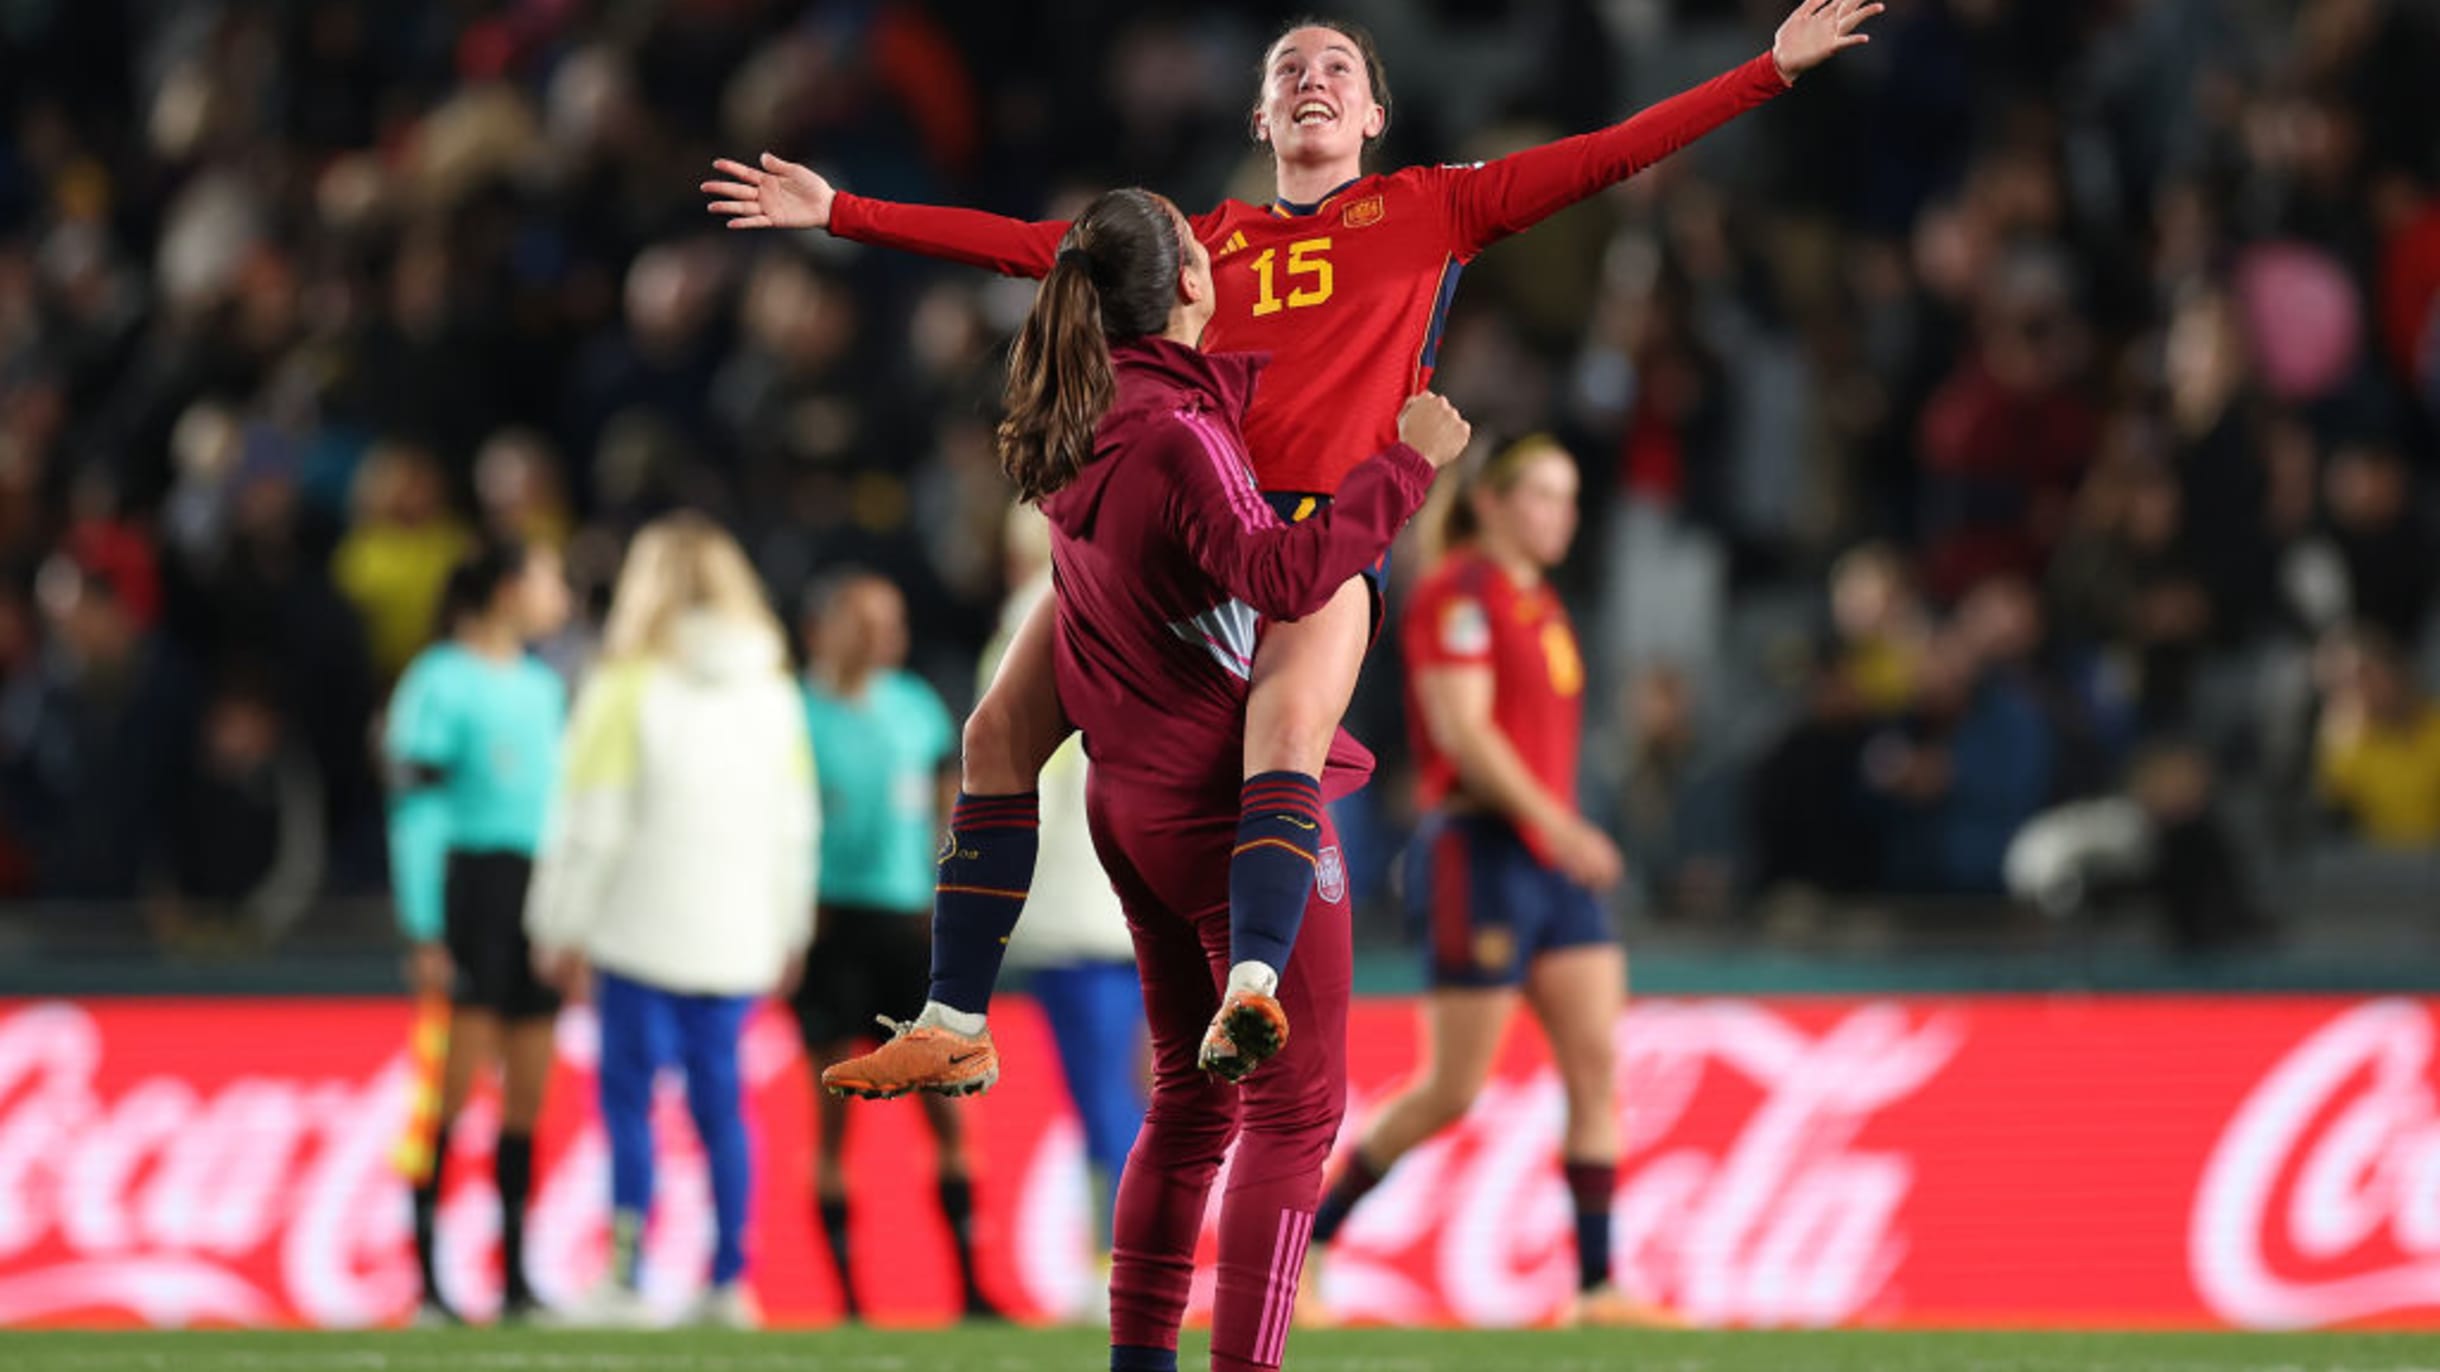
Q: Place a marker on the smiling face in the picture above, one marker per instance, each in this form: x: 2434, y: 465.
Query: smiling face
x: 1318, y: 99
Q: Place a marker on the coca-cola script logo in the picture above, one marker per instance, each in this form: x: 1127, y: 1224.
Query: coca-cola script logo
x: 2321, y: 1203
x: 1788, y: 1221
x: 270, y: 1199
x: 162, y: 1202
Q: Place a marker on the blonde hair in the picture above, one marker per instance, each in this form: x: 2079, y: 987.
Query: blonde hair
x: 1455, y: 524
x: 678, y: 563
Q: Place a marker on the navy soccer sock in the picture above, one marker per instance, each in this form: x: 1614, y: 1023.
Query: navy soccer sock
x: 1126, y: 1357
x: 1353, y: 1185
x: 985, y: 870
x: 1270, y: 873
x: 1590, y: 1185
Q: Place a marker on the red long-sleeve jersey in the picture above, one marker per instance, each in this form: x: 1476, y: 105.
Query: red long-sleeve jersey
x: 1167, y: 560
x: 1348, y: 296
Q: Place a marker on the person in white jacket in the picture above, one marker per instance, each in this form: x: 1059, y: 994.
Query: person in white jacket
x: 678, y: 864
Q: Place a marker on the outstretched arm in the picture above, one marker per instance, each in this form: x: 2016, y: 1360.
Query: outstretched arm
x: 1514, y: 193
x: 780, y: 194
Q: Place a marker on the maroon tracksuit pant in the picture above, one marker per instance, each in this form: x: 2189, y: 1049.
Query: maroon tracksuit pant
x: 1169, y: 864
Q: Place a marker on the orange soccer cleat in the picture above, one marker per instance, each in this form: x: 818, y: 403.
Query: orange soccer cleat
x: 1607, y: 1307
x: 1248, y: 1032
x: 918, y: 1057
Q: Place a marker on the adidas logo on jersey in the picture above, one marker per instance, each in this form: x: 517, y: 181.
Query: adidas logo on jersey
x: 1236, y: 241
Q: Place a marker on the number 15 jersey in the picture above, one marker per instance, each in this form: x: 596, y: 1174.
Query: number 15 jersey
x: 1348, y: 296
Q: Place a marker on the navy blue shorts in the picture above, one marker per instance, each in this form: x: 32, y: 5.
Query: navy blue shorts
x: 1488, y: 906
x: 1299, y: 506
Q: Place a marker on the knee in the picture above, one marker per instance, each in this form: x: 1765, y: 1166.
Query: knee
x: 994, y: 760
x: 1191, y: 1126
x: 1444, y: 1103
x: 1291, y: 726
x: 1305, y: 1107
x: 1590, y: 1069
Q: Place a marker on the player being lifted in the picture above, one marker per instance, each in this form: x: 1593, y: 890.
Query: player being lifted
x: 1345, y: 279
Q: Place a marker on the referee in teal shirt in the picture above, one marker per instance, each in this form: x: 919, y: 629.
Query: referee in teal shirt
x: 885, y: 750
x: 472, y: 746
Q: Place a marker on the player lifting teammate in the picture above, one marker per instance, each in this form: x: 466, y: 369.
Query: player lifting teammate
x: 1168, y: 561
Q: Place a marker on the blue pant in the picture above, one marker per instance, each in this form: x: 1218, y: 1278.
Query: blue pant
x: 1096, y: 1010
x: 644, y: 1029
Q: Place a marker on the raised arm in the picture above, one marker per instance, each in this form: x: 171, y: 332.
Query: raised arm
x: 1288, y: 571
x: 780, y: 194
x: 1498, y: 198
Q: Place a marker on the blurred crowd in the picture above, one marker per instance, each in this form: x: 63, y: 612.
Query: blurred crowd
x: 2004, y: 455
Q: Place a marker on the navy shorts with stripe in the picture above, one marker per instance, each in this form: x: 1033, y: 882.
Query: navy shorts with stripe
x: 1298, y: 506
x: 1487, y: 906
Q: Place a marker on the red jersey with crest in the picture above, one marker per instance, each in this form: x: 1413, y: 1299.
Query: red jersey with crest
x: 1347, y: 296
x: 1466, y: 612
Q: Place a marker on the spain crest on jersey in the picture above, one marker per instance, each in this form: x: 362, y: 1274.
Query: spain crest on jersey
x: 1364, y: 213
x: 1330, y: 874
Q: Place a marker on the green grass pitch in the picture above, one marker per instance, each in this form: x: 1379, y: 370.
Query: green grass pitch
x: 1032, y: 1350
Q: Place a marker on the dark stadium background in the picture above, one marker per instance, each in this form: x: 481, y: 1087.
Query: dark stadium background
x: 2132, y: 300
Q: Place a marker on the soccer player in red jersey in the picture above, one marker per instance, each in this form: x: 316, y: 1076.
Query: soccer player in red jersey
x: 1504, y: 870
x: 1345, y: 279
x: 1168, y: 561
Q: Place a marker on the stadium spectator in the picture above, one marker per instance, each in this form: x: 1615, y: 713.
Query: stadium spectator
x: 2124, y: 582
x: 397, y: 557
x: 679, y: 867
x: 1977, y: 758
x: 2161, y: 839
x: 1678, y: 802
x: 2378, y: 761
x: 884, y: 747
x: 250, y: 841
x: 2004, y: 438
x: 2382, y: 538
x: 1882, y: 632
x: 99, y: 750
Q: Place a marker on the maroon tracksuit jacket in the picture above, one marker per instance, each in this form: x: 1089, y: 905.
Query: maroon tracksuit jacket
x: 1168, y: 561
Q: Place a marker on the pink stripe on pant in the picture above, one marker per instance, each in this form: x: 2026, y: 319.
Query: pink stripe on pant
x: 1169, y: 863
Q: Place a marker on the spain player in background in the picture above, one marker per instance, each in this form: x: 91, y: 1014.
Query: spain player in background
x: 1345, y: 280
x: 1504, y: 872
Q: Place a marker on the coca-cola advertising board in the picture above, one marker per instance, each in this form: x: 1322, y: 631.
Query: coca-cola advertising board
x: 2170, y: 1161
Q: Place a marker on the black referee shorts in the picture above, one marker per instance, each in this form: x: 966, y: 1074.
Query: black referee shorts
x: 483, y: 900
x: 864, y: 962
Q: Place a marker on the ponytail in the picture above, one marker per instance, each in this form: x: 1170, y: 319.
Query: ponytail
x: 1059, y: 382
x: 1115, y: 279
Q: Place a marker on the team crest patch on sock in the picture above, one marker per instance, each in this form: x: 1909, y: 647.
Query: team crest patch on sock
x: 1330, y: 874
